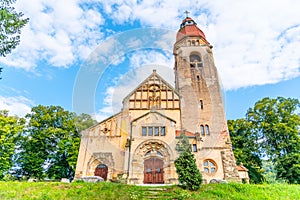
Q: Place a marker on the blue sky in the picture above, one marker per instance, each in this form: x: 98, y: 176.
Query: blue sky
x: 106, y: 48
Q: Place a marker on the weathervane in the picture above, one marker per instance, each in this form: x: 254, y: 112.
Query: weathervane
x: 187, y: 13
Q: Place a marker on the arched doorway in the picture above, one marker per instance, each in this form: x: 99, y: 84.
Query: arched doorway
x: 102, y: 171
x: 153, y: 171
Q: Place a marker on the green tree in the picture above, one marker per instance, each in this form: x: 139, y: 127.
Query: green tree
x: 288, y: 168
x: 11, y: 23
x: 276, y: 126
x: 50, y: 144
x: 83, y: 121
x: 183, y: 144
x: 10, y: 128
x: 246, y: 148
x: 188, y: 174
x: 270, y: 130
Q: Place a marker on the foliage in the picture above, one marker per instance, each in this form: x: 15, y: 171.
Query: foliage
x: 270, y: 173
x: 188, y: 174
x: 11, y: 23
x: 83, y: 121
x: 245, y: 148
x: 46, y: 190
x: 10, y: 128
x: 288, y: 167
x: 9, y: 177
x: 183, y: 144
x: 270, y: 130
x: 276, y: 126
x: 49, y: 146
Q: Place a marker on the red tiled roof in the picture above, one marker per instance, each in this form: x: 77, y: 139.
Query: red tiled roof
x: 187, y: 133
x: 241, y: 168
x: 189, y: 28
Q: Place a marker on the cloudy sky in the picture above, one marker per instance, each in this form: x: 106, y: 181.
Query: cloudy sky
x: 86, y: 55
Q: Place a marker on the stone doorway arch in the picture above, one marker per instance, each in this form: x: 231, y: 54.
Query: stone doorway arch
x: 152, y: 162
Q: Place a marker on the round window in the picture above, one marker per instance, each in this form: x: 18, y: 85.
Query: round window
x: 209, y: 166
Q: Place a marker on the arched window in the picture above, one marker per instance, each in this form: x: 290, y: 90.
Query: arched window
x: 195, y: 61
x: 159, y: 153
x: 209, y: 166
x: 202, y: 130
x: 207, y: 129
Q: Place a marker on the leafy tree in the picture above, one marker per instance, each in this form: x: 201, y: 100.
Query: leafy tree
x: 270, y: 173
x: 183, y: 144
x: 188, y: 174
x: 246, y: 148
x: 11, y: 23
x: 270, y: 130
x: 276, y: 126
x: 83, y: 121
x: 10, y: 128
x: 47, y: 147
x: 68, y: 148
x: 288, y: 168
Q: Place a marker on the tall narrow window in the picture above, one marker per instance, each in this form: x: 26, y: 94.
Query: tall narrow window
x: 194, y: 147
x: 201, y: 104
x: 207, y: 130
x: 202, y: 130
x: 156, y: 131
x: 163, y: 131
x: 150, y: 131
x: 144, y: 131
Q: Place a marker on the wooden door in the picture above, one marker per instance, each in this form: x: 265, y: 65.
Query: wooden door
x: 153, y: 171
x: 102, y: 171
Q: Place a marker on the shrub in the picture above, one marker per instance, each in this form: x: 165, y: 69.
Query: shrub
x: 188, y: 174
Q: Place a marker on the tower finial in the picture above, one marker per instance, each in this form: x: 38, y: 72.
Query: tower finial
x: 187, y: 13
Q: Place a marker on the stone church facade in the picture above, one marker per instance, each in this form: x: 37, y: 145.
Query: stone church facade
x: 139, y: 142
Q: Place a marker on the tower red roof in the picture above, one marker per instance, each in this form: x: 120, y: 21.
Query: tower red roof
x: 189, y: 27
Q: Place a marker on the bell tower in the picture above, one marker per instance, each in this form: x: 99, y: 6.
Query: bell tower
x: 201, y: 103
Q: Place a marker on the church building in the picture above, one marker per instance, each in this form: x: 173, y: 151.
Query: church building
x: 139, y: 143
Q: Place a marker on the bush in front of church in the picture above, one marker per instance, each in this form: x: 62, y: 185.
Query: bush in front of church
x: 188, y: 174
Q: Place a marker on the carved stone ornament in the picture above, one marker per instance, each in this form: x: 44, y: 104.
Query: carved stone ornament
x: 106, y: 158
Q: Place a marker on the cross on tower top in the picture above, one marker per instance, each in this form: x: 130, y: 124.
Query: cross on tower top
x: 187, y: 13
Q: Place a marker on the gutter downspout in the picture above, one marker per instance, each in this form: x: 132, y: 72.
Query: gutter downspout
x: 129, y: 151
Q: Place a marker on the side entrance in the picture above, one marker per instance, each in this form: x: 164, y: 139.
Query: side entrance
x: 102, y: 171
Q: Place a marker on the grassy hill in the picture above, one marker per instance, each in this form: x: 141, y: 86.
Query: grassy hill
x: 47, y: 190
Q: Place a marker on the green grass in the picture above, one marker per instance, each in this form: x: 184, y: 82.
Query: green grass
x: 50, y: 190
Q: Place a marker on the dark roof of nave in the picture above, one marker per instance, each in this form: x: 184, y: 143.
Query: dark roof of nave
x: 189, y: 27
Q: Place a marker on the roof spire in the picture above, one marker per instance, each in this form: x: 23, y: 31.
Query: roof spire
x: 187, y: 13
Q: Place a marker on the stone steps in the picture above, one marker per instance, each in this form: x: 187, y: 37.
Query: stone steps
x: 155, y: 193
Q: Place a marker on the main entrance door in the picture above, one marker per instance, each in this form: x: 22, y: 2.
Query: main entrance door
x: 153, y: 171
x: 101, y: 170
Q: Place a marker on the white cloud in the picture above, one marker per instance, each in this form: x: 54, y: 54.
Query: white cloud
x: 153, y: 58
x: 255, y: 42
x: 19, y: 105
x: 59, y: 33
x: 247, y: 35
